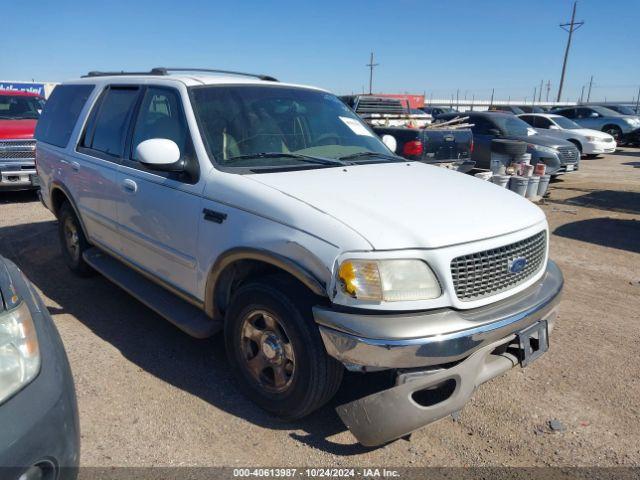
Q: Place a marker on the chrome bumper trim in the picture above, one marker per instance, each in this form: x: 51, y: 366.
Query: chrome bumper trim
x: 345, y: 334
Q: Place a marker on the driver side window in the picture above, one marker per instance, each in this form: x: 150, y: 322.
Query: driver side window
x: 161, y: 116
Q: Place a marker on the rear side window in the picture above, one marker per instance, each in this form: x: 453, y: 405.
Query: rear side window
x: 61, y: 114
x: 109, y: 121
x: 529, y: 119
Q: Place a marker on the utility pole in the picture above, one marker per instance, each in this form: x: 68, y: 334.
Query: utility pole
x: 371, y: 66
x: 458, y: 99
x: 638, y: 100
x: 492, y: 92
x: 582, y: 94
x: 590, y: 85
x: 535, y: 90
x: 573, y: 26
x: 540, y: 91
x: 473, y: 99
x: 548, y: 89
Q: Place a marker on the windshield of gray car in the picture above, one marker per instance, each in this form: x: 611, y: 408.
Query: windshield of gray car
x: 606, y: 112
x: 512, y: 125
x: 248, y: 126
x: 565, y: 123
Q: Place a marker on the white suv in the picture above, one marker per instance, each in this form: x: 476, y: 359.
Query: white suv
x: 234, y: 202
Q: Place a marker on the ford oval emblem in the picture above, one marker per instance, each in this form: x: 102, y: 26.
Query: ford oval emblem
x: 517, y: 265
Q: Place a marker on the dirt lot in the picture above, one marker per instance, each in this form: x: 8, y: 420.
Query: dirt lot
x: 150, y: 395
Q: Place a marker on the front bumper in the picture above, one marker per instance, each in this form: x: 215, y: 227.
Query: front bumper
x: 18, y: 176
x: 451, y: 363
x: 40, y: 427
x: 351, y: 337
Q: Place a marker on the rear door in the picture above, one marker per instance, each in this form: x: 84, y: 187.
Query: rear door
x: 94, y: 168
x: 160, y: 211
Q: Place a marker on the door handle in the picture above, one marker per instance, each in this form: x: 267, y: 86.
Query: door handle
x: 129, y: 186
x: 75, y: 166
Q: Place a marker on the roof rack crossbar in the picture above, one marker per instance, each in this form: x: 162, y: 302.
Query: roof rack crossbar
x: 166, y: 70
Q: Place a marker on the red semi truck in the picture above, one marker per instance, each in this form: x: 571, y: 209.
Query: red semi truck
x: 19, y: 113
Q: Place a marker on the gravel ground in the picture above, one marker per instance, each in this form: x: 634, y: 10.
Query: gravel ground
x: 150, y: 395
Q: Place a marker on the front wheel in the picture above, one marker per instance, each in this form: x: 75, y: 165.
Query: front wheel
x: 614, y: 131
x: 275, y: 350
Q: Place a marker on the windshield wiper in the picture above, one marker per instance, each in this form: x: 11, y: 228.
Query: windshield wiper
x: 297, y: 156
x: 353, y: 156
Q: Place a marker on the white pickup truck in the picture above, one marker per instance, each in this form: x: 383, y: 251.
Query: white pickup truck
x: 270, y: 211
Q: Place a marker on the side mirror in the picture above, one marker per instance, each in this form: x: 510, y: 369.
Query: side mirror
x: 159, y: 154
x: 554, y: 127
x: 390, y: 142
x: 594, y: 115
x: 495, y: 132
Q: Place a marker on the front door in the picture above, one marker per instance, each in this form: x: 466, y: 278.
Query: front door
x: 160, y: 211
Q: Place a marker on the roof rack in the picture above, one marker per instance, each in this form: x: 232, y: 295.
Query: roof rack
x: 167, y: 70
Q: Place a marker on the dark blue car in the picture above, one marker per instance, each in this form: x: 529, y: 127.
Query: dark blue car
x: 39, y: 432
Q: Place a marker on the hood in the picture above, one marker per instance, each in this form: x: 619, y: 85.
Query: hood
x: 17, y: 129
x: 544, y: 140
x: 396, y: 206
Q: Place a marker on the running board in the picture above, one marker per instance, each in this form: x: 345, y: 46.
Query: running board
x: 181, y: 313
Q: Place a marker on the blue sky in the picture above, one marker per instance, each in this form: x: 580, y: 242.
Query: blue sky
x: 422, y: 45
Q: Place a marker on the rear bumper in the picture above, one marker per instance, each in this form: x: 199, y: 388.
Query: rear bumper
x: 448, y: 366
x: 346, y: 337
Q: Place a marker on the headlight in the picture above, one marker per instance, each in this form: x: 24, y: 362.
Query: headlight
x: 591, y: 139
x: 388, y: 280
x: 542, y: 148
x: 19, y: 352
x: 634, y: 122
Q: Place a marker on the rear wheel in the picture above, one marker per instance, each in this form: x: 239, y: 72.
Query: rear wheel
x: 72, y: 241
x: 275, y: 350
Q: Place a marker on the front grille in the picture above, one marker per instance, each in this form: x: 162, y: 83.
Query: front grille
x: 483, y: 274
x: 569, y: 154
x: 17, y: 150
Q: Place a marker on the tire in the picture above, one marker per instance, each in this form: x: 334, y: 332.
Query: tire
x: 591, y: 156
x: 508, y: 147
x: 577, y: 144
x: 73, y: 243
x: 275, y: 350
x: 614, y: 131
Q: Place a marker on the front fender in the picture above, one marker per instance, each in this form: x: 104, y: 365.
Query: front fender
x: 318, y: 287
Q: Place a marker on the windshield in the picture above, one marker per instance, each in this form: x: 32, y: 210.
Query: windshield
x: 18, y: 107
x: 512, y: 125
x: 564, y: 122
x: 248, y: 125
x: 625, y: 110
x: 606, y: 112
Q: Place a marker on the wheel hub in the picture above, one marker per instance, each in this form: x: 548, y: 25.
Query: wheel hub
x: 272, y: 348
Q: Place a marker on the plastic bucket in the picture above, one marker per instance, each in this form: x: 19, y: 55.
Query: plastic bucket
x: 532, y: 187
x: 499, y: 162
x: 500, y: 180
x: 528, y: 170
x: 543, y: 186
x: 540, y: 169
x: 483, y: 175
x: 524, y: 158
x: 518, y: 185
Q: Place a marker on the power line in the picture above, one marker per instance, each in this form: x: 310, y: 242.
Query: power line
x: 371, y: 66
x: 573, y: 26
